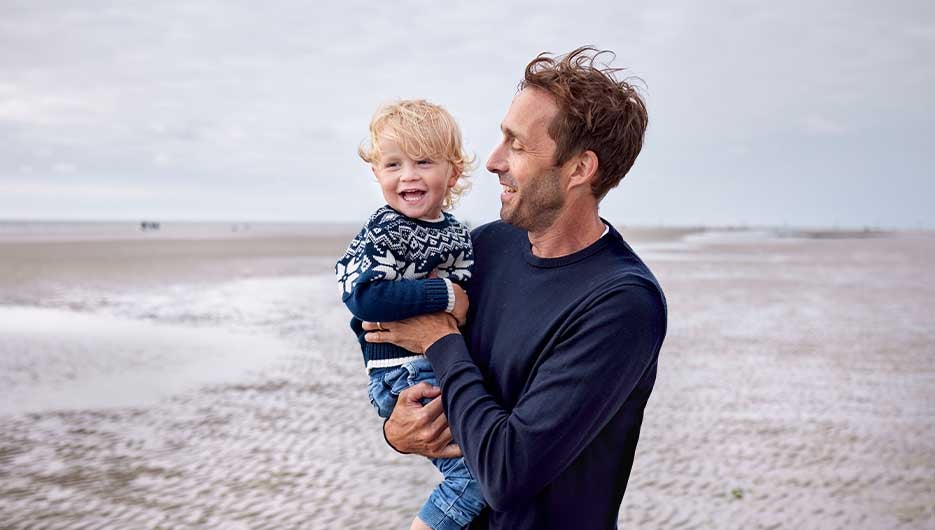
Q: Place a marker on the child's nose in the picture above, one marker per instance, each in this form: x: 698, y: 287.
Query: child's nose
x: 409, y: 174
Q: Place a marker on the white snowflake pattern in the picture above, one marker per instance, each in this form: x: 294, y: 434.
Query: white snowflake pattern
x: 387, y: 265
x: 456, y: 268
x: 348, y: 274
x: 411, y: 274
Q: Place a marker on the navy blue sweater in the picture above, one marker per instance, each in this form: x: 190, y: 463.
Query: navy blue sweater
x: 384, y: 273
x: 545, y: 391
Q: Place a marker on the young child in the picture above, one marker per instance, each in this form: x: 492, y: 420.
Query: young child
x: 412, y: 258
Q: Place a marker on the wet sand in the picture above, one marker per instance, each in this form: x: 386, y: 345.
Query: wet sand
x: 796, y: 388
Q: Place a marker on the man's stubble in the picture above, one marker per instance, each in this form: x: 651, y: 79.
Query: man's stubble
x: 538, y: 205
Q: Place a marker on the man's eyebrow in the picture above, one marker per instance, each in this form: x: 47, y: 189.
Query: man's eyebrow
x: 509, y: 133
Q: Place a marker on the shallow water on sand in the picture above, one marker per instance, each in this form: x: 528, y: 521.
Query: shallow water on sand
x: 796, y: 390
x: 54, y: 359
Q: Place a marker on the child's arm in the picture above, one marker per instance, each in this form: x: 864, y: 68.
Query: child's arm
x: 378, y: 287
x: 387, y: 301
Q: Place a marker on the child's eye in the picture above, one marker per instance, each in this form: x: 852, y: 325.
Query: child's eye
x: 391, y: 164
x: 425, y: 162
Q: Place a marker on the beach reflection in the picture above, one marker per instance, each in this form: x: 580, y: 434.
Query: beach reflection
x: 54, y: 359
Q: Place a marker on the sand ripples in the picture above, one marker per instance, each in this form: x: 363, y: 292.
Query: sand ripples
x: 784, y: 400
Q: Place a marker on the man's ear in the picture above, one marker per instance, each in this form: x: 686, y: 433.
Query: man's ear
x: 583, y: 170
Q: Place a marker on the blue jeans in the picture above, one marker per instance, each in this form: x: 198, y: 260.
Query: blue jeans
x: 457, y: 500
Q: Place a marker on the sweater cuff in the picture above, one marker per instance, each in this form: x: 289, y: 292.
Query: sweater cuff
x: 451, y: 295
x: 447, y: 351
x: 436, y: 295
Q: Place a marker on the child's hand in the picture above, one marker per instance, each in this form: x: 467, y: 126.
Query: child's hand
x: 461, y: 304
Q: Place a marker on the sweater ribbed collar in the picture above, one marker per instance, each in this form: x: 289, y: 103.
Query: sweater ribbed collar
x: 568, y: 259
x: 444, y: 222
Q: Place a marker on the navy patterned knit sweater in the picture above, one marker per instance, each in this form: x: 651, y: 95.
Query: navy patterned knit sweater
x: 384, y: 273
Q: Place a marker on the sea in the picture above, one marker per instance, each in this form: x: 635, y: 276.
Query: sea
x: 50, y: 230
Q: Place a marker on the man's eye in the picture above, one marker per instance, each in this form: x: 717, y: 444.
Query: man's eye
x: 516, y: 146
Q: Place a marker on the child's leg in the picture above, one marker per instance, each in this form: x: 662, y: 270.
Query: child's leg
x: 456, y: 501
x: 419, y: 524
x: 380, y: 389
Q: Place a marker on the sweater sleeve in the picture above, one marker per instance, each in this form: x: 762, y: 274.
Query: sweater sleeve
x: 573, y: 394
x: 388, y: 301
x: 377, y: 283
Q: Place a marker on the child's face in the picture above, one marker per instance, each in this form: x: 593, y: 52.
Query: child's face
x: 415, y: 188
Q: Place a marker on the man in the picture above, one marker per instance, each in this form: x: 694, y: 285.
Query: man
x: 545, y: 391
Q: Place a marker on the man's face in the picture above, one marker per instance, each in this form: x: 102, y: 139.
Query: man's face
x: 532, y: 196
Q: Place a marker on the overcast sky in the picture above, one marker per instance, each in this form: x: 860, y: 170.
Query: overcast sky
x: 799, y: 113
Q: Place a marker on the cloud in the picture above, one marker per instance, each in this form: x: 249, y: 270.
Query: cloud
x: 820, y: 125
x: 269, y: 104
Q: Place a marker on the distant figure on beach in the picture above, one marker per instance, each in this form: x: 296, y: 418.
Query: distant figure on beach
x: 545, y: 391
x: 412, y: 258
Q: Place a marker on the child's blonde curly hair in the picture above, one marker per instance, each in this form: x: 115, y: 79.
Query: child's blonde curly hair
x: 422, y: 130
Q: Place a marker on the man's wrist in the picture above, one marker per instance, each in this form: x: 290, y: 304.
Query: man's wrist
x: 452, y: 329
x: 445, y: 351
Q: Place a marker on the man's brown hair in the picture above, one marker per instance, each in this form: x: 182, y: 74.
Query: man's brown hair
x: 596, y: 112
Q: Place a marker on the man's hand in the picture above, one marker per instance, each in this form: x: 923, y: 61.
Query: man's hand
x: 461, y: 300
x: 461, y: 304
x: 412, y: 428
x: 414, y: 334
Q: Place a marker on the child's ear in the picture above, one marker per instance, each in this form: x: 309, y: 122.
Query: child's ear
x: 455, y: 175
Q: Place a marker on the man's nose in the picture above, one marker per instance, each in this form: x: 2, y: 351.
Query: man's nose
x: 497, y: 161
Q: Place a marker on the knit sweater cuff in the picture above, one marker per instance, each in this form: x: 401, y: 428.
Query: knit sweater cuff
x: 447, y: 351
x: 436, y: 295
x: 451, y: 296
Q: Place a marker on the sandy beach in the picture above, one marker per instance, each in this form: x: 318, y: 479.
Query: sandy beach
x: 212, y: 382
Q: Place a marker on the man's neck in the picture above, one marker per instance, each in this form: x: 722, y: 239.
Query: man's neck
x: 568, y: 234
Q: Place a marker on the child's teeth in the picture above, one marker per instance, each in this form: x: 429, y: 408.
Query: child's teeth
x: 412, y: 195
